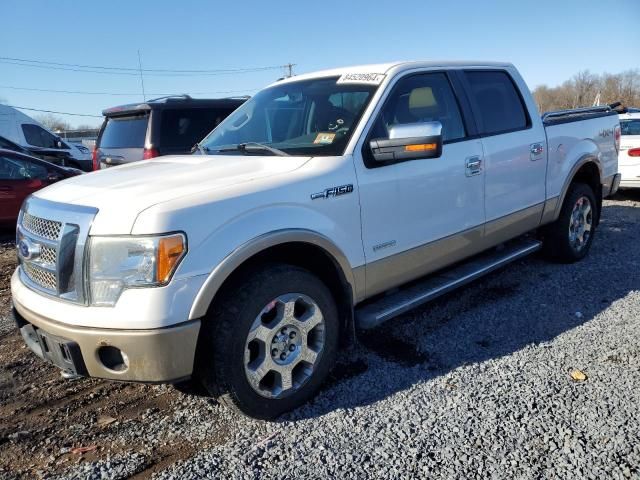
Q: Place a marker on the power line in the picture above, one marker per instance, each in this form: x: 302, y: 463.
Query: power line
x: 75, y: 65
x: 81, y: 92
x: 46, y: 67
x: 53, y: 111
x: 131, y: 71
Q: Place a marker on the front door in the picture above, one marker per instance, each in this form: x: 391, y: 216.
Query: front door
x: 407, y: 208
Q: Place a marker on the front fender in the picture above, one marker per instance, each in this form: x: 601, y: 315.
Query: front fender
x: 255, y: 245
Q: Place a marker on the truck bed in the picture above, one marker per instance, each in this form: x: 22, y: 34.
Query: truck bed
x: 573, y: 135
x: 576, y: 115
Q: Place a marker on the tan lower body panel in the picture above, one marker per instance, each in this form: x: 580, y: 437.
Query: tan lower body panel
x: 401, y: 268
x: 157, y: 355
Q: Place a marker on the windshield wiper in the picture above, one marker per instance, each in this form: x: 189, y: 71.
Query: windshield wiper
x: 253, y: 147
x: 202, y: 149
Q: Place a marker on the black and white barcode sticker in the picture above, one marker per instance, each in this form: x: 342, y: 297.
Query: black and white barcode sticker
x: 369, y: 78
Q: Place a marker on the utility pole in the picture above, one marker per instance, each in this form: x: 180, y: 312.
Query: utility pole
x: 289, y: 70
x: 144, y: 97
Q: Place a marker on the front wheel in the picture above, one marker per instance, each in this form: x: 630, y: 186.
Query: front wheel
x: 569, y: 238
x: 271, y: 341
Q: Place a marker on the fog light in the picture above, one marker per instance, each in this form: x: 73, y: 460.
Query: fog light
x: 113, y: 358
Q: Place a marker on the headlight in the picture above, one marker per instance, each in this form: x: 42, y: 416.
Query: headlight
x: 116, y: 263
x: 82, y: 148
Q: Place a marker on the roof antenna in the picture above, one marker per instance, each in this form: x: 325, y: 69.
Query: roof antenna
x: 144, y: 97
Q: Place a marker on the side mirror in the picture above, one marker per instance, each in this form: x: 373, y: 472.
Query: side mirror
x: 410, y: 141
x: 53, y: 177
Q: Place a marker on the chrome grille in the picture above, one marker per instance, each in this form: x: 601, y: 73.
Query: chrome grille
x: 41, y: 277
x: 44, y: 228
x: 51, y: 240
x: 48, y: 255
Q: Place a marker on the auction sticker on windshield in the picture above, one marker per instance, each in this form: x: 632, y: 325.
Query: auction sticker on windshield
x: 325, y: 138
x: 368, y: 78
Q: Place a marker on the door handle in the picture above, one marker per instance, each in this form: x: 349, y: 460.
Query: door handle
x: 474, y: 166
x: 536, y: 150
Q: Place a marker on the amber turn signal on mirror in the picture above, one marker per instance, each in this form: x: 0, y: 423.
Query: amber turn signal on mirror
x: 422, y: 147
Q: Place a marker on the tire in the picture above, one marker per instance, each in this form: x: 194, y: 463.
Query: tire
x: 569, y: 238
x: 191, y: 387
x: 279, y: 327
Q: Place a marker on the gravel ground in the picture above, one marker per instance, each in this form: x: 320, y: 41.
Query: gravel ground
x: 475, y: 385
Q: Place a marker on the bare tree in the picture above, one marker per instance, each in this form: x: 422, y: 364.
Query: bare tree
x: 53, y: 122
x: 85, y: 126
x: 583, y: 88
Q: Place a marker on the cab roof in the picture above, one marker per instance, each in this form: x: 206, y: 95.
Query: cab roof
x: 393, y: 67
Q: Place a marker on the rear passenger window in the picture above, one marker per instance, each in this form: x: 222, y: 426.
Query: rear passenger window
x: 182, y: 128
x: 497, y: 102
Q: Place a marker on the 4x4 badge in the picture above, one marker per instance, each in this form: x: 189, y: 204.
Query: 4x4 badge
x: 333, y: 192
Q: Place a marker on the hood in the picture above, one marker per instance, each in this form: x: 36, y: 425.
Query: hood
x: 121, y: 193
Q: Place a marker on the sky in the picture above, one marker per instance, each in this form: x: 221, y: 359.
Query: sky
x: 549, y: 41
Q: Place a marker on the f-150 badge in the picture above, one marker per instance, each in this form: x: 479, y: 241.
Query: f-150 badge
x: 333, y: 192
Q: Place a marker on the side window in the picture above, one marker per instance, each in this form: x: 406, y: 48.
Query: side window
x: 18, y: 169
x: 497, y: 102
x: 38, y: 136
x: 421, y: 98
x: 182, y: 128
x: 35, y: 171
x: 630, y: 127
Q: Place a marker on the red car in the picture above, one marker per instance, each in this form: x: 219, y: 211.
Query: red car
x: 20, y: 176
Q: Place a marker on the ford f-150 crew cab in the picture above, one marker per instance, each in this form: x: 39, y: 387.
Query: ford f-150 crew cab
x: 328, y: 202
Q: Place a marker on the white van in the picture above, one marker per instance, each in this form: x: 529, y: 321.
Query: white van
x: 24, y: 130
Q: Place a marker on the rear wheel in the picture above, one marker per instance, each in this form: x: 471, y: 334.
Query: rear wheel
x: 270, y: 342
x: 569, y: 238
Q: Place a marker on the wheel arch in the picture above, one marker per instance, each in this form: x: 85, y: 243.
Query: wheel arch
x: 586, y: 170
x: 300, y: 247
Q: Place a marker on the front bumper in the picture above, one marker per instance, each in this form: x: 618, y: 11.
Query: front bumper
x: 163, y: 355
x: 630, y: 183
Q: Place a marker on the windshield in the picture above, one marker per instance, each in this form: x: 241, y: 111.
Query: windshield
x: 309, y: 117
x: 630, y: 127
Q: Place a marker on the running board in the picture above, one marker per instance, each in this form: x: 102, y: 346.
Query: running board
x: 372, y: 314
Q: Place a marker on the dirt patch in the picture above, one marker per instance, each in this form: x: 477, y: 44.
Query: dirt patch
x: 8, y: 263
x: 44, y: 418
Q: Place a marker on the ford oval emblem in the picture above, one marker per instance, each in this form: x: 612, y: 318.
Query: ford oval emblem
x: 28, y: 250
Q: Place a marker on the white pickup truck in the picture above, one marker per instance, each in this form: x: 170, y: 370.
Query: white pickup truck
x: 328, y: 202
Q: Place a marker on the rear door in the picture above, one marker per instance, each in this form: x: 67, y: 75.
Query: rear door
x: 181, y: 128
x: 514, y: 149
x: 122, y: 139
